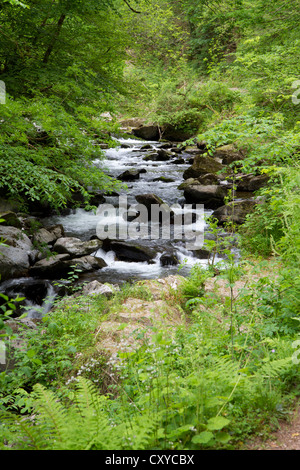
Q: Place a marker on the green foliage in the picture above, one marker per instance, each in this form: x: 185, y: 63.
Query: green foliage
x: 58, y: 84
x: 193, y: 287
x: 214, y: 31
x: 226, y: 73
x: 51, y: 348
x: 45, y: 157
x: 191, y: 107
x: 203, y: 387
x: 196, y: 389
x: 83, y: 423
x: 272, y: 228
x: 7, y: 309
x: 263, y: 140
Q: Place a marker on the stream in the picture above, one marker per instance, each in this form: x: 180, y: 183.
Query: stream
x: 82, y: 224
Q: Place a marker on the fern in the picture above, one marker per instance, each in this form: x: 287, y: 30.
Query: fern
x: 51, y: 414
x: 276, y: 367
x: 83, y: 424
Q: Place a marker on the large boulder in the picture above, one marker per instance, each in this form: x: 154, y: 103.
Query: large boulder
x: 61, y: 265
x: 175, y: 134
x: 202, y: 253
x: 132, y: 122
x: 235, y: 212
x: 179, y: 161
x: 150, y: 132
x: 131, y: 252
x: 14, y: 262
x: 160, y: 155
x: 130, y: 175
x: 152, y: 156
x: 86, y: 263
x: 15, y: 237
x: 50, y: 268
x: 76, y: 247
x: 193, y: 150
x: 212, y: 196
x: 96, y: 198
x: 56, y: 230
x: 44, y: 237
x: 251, y: 182
x: 14, y: 257
x: 207, y: 179
x: 148, y: 200
x: 164, y: 155
x: 188, y: 182
x: 201, y: 166
x: 97, y: 288
x: 228, y: 154
x: 145, y: 147
x: 169, y: 259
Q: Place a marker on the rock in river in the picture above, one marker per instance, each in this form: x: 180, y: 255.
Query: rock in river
x: 169, y: 259
x: 130, y: 175
x: 51, y: 268
x: 228, y: 154
x: 251, y: 182
x: 14, y: 257
x: 58, y: 266
x: 150, y: 132
x: 76, y: 247
x: 212, y: 196
x: 201, y: 166
x: 131, y: 252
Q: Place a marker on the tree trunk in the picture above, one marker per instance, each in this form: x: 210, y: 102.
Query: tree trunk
x: 55, y: 36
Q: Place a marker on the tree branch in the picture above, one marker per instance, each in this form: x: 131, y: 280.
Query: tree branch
x: 130, y: 7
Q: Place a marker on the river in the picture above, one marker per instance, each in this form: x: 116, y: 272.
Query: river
x: 129, y: 154
x: 82, y: 224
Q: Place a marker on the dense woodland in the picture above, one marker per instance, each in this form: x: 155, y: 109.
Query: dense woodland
x: 219, y: 72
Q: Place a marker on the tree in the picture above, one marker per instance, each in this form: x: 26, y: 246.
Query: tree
x: 62, y: 64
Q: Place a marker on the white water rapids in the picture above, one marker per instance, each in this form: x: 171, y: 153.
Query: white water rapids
x: 129, y: 154
x: 83, y: 224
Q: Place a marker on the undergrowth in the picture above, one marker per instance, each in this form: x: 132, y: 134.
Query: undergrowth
x: 231, y: 374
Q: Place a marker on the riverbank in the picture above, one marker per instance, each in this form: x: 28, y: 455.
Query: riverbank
x: 43, y: 250
x: 144, y: 345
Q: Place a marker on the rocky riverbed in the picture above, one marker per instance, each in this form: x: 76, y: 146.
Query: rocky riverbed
x: 41, y: 250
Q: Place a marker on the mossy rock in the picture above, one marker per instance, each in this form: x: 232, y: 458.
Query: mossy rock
x: 202, y: 165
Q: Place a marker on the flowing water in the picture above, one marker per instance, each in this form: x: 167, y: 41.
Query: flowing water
x: 83, y: 224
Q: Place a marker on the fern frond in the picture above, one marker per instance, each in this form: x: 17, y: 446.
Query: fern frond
x: 83, y: 424
x: 87, y: 397
x: 223, y: 370
x: 51, y: 413
x: 21, y: 433
x: 275, y: 368
x: 86, y: 419
x: 144, y: 431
